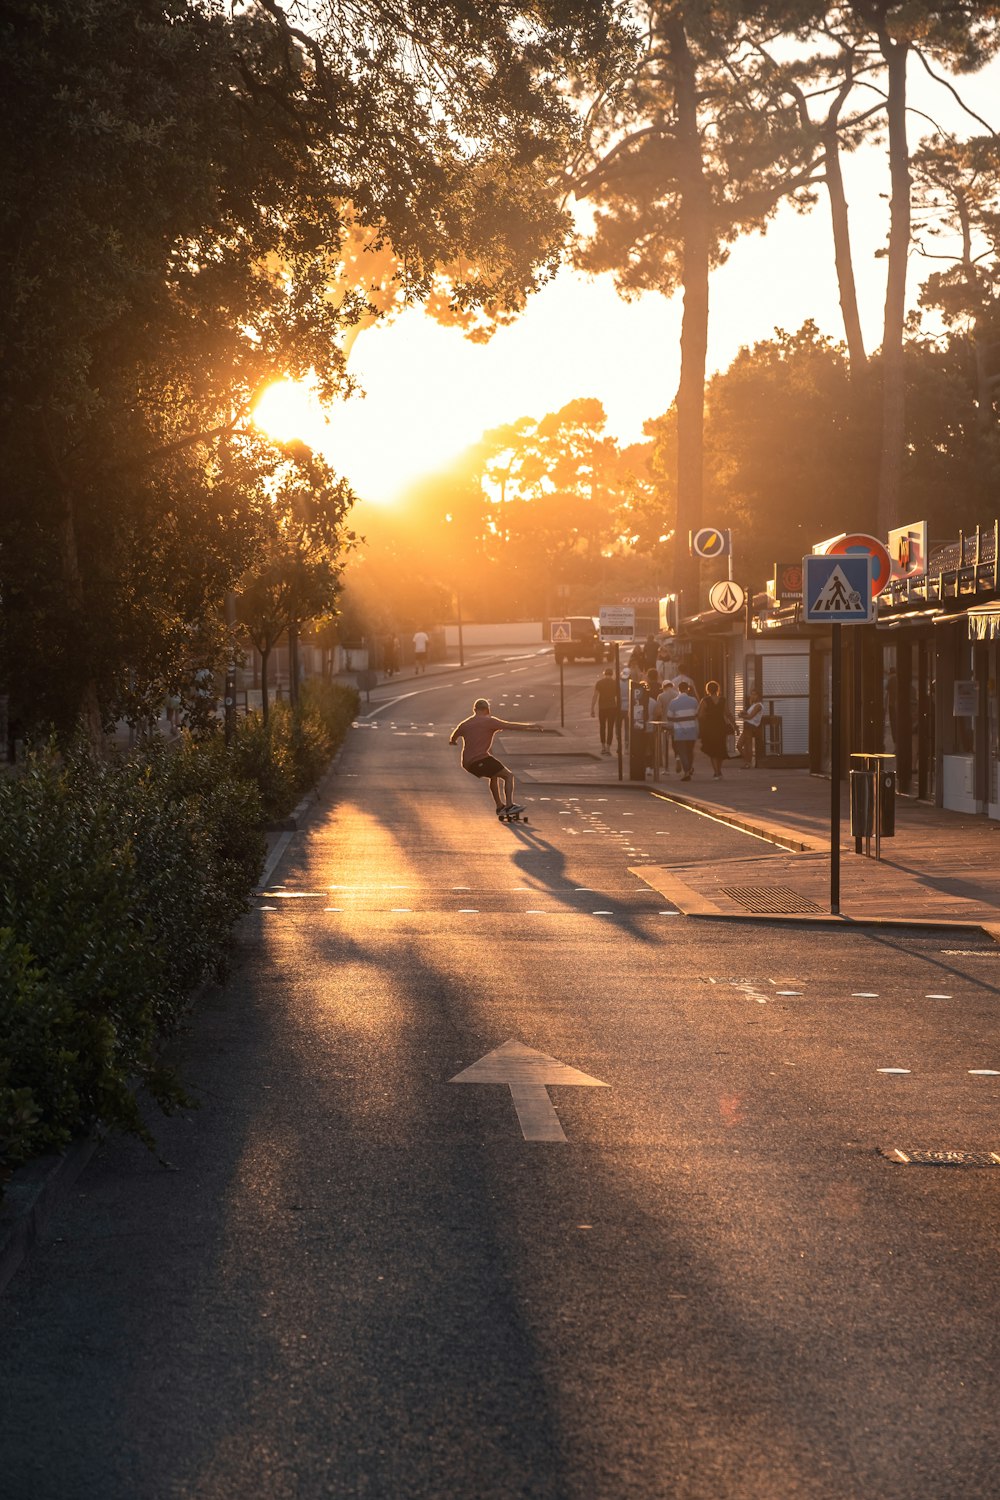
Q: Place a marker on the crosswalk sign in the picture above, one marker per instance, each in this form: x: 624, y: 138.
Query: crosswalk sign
x: 560, y: 631
x: 837, y: 590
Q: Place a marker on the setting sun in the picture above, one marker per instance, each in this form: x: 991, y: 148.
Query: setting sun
x: 289, y: 409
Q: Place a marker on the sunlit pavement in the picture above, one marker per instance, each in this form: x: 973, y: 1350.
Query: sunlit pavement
x: 374, y: 1267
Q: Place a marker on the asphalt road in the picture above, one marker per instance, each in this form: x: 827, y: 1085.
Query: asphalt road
x: 358, y: 1278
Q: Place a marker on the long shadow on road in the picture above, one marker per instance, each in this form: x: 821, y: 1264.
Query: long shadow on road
x: 319, y: 1301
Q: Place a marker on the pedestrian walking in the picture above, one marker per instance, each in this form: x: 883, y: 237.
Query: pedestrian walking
x: 682, y: 716
x: 714, y: 726
x: 421, y: 641
x: 605, y: 702
x: 751, y: 741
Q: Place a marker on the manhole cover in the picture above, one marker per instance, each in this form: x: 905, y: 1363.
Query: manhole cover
x: 772, y: 900
x: 914, y: 1158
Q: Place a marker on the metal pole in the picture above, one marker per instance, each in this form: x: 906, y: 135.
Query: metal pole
x: 835, y: 717
x: 229, y: 695
x: 621, y: 726
x: 458, y: 611
x: 562, y: 694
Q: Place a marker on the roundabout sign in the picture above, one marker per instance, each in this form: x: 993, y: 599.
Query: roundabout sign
x: 859, y: 543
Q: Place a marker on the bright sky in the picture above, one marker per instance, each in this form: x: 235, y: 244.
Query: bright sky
x: 430, y: 393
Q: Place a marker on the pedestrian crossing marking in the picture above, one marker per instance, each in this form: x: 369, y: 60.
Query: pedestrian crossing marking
x: 837, y: 596
x: 837, y: 590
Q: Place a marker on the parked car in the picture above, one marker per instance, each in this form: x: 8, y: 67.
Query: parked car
x: 584, y: 641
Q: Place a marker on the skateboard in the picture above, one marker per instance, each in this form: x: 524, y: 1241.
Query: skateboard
x: 514, y: 818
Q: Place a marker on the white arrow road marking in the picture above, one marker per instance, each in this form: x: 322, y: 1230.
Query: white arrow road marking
x: 528, y: 1074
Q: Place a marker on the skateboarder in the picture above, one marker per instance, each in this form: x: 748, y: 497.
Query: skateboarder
x: 477, y: 733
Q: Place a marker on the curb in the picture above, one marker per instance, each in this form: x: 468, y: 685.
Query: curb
x: 34, y: 1194
x: 775, y: 833
x: 905, y: 924
x: 294, y: 820
x: 691, y: 903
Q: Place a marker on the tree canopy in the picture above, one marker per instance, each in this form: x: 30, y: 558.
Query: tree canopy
x: 175, y: 232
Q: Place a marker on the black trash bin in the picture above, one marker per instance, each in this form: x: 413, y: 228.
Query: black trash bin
x: 873, y: 792
x: 887, y: 803
x: 862, y: 804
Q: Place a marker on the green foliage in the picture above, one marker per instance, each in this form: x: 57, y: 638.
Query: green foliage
x: 120, y: 885
x: 791, y: 440
x: 119, y: 890
x: 284, y: 757
x: 556, y: 493
x: 177, y: 227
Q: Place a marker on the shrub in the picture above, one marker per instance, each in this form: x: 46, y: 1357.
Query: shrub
x: 285, y: 757
x: 119, y: 888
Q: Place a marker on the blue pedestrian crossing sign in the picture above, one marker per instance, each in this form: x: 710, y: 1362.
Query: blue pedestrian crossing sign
x: 838, y: 590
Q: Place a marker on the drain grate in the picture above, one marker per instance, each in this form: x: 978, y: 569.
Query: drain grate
x: 913, y: 1158
x: 771, y: 900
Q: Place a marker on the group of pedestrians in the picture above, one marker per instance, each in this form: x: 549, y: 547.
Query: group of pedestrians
x: 391, y: 653
x: 675, y: 703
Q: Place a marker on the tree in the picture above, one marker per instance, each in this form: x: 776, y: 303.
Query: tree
x: 788, y: 450
x: 957, y: 193
x: 689, y: 146
x: 173, y: 236
x: 791, y: 455
x: 531, y: 514
x: 295, y: 578
x: 960, y: 35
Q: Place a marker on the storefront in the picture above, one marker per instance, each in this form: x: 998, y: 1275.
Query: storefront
x: 773, y: 662
x: 940, y: 664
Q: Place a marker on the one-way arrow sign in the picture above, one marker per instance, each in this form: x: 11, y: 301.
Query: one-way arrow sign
x: 528, y: 1074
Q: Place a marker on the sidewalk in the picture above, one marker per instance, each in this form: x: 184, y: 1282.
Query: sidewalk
x: 940, y: 868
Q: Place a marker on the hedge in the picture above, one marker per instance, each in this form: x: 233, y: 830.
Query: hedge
x: 120, y: 882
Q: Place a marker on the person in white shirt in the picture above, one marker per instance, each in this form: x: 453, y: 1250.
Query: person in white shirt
x: 421, y: 640
x: 751, y: 741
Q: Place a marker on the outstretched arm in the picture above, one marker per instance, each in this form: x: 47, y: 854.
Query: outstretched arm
x: 536, y: 728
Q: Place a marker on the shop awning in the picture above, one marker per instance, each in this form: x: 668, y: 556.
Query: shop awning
x: 910, y: 618
x: 984, y: 622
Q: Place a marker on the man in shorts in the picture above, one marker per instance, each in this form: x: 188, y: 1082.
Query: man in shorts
x: 421, y: 640
x: 477, y: 733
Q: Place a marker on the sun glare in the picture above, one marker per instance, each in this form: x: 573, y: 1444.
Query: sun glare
x: 288, y: 410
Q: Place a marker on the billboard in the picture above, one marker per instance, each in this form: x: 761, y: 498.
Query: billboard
x: 907, y: 547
